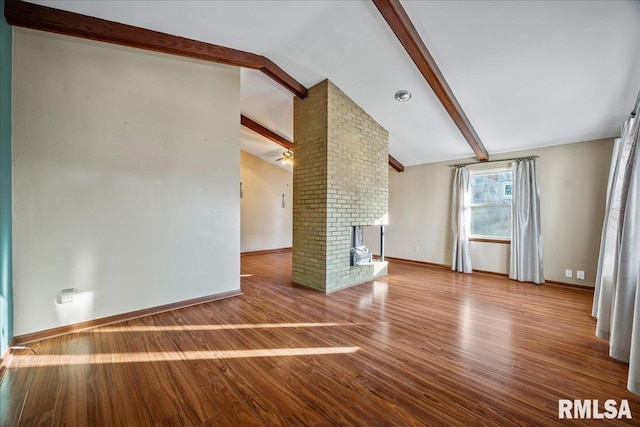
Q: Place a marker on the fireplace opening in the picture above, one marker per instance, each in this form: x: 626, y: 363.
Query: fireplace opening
x: 360, y: 254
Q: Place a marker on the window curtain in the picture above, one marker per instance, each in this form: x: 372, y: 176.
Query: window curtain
x: 608, y: 243
x: 526, y: 239
x: 618, y: 276
x: 461, y: 221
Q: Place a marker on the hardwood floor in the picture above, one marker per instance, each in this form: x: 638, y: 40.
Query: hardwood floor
x: 422, y: 346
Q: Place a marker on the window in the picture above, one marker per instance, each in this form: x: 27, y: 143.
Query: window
x: 491, y: 203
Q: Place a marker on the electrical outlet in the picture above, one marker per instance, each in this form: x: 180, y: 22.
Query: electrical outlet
x: 417, y: 248
x: 66, y: 295
x: 568, y: 273
x: 579, y: 274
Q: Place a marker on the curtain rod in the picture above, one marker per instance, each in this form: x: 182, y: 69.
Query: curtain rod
x: 459, y: 165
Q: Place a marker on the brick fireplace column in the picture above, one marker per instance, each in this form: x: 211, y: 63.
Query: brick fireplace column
x: 340, y: 180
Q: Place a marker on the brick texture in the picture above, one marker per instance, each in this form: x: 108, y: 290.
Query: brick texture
x: 340, y: 179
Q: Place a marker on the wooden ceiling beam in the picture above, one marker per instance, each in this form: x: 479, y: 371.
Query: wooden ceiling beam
x: 267, y: 133
x: 272, y: 70
x: 399, y: 167
x: 29, y: 15
x: 397, y: 18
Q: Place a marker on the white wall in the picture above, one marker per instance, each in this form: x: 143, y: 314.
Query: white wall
x: 265, y: 224
x: 572, y: 180
x: 126, y: 167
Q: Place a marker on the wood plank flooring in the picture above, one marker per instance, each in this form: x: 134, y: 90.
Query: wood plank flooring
x: 420, y: 347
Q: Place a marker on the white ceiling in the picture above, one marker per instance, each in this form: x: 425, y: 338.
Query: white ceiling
x: 527, y: 73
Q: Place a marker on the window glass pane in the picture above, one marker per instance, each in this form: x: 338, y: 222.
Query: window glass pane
x: 495, y: 188
x: 491, y: 220
x: 491, y: 204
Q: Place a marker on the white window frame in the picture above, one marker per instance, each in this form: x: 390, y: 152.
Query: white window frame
x: 488, y: 171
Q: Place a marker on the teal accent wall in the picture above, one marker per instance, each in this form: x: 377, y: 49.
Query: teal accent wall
x: 6, y: 294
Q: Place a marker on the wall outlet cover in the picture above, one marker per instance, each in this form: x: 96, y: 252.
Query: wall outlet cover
x: 579, y: 274
x: 568, y: 273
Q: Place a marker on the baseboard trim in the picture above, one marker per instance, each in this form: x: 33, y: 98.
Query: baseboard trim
x: 90, y: 324
x: 569, y: 285
x: 492, y: 273
x: 267, y: 251
x: 422, y: 263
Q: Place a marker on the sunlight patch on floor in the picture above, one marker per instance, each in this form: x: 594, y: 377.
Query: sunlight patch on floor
x: 216, y: 327
x: 36, y: 361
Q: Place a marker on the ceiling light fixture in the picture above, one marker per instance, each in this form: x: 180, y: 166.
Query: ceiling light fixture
x: 287, y: 157
x: 402, y: 96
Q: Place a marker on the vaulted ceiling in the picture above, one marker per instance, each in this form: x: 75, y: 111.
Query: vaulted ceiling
x: 526, y: 73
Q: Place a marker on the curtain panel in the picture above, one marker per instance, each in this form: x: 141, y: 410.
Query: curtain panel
x: 526, y: 238
x: 608, y: 243
x: 616, y: 302
x: 461, y: 221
